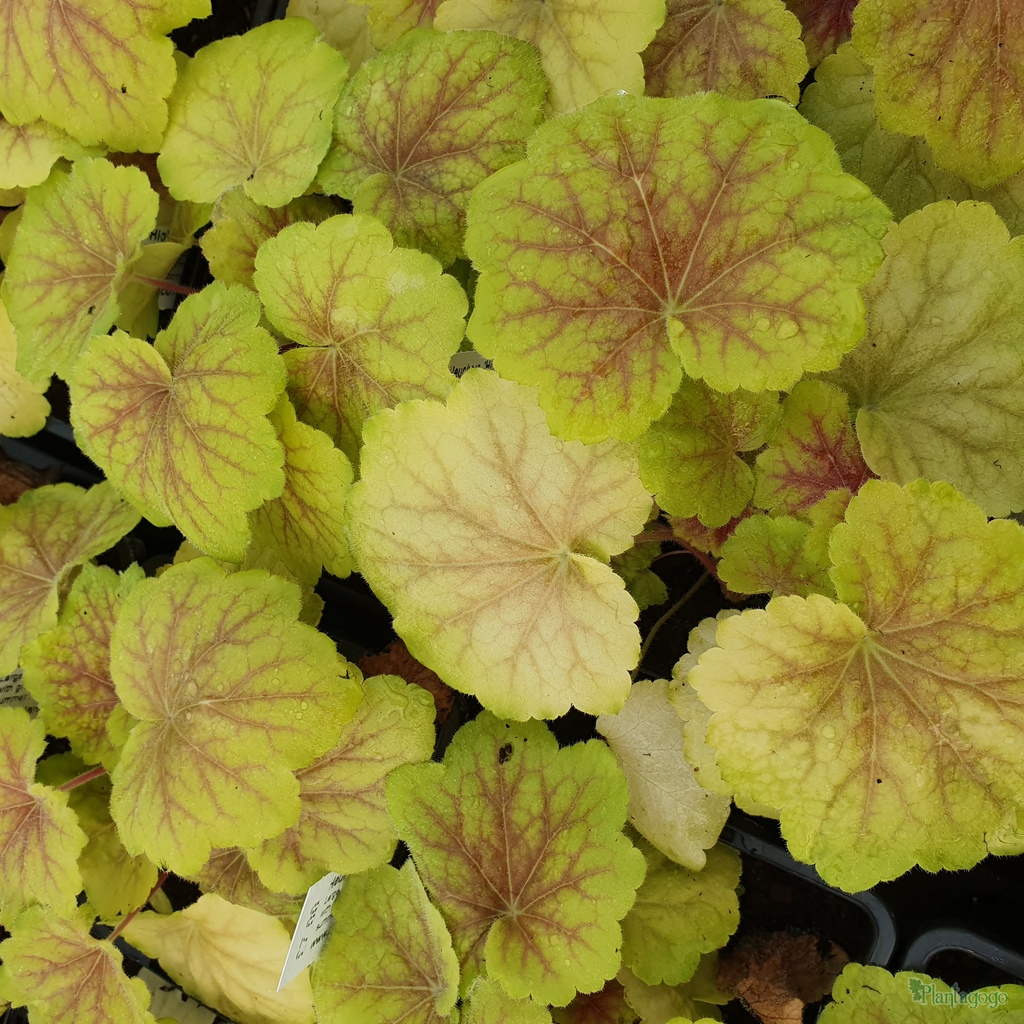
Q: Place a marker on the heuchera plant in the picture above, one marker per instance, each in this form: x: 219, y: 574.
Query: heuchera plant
x: 777, y: 325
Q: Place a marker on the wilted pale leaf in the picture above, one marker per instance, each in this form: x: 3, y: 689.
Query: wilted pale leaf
x: 343, y: 23
x: 489, y: 541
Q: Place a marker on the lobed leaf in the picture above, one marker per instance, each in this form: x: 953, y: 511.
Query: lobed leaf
x: 391, y: 19
x: 180, y: 426
x: 102, y: 73
x: 520, y: 845
x: 421, y: 125
x: 343, y: 23
x: 608, y: 1006
x: 489, y: 541
x: 771, y: 555
x: 252, y: 110
x: 40, y: 837
x: 744, y: 49
x: 73, y: 255
x: 344, y: 825
x: 389, y: 956
x: 229, y: 875
x: 376, y: 325
x: 23, y: 409
x: 488, y: 1003
x: 28, y: 151
x: 937, y: 381
x: 643, y: 238
x: 889, y: 722
x: 953, y: 72
x: 827, y: 24
x: 587, y: 50
x: 63, y: 975
x: 232, y: 695
x: 48, y: 532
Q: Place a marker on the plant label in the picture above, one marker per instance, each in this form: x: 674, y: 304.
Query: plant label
x: 14, y: 695
x: 313, y: 928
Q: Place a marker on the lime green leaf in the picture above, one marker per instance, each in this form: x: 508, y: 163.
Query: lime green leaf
x: 102, y: 73
x: 611, y: 255
x: 344, y: 824
x: 826, y: 24
x: 343, y: 23
x: 488, y: 1003
x: 79, y: 238
x: 813, y: 452
x: 900, y: 170
x: 64, y: 976
x: 375, y: 324
x: 937, y: 381
x: 227, y: 957
x: 241, y: 226
x: 46, y: 534
x: 586, y: 51
x: 305, y: 525
x: 520, y: 845
x: 137, y: 301
x: 890, y: 723
x: 229, y: 874
x: 489, y: 541
x: 953, y: 73
x: 680, y: 915
x: 608, y: 1006
x: 180, y: 426
x: 769, y: 555
x: 744, y: 49
x: 424, y: 123
x: 634, y: 566
x: 661, y: 1004
x: 23, y: 409
x: 253, y: 110
x: 28, y: 151
x: 232, y: 695
x: 391, y: 19
x: 691, y: 458
x: 67, y: 670
x: 40, y: 838
x: 389, y: 957
x: 667, y: 804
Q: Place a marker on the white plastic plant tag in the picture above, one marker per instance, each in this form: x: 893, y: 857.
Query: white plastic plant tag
x: 14, y: 695
x: 313, y: 928
x: 463, y: 361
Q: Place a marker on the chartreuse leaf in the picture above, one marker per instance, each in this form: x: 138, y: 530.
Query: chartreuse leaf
x: 102, y: 74
x: 744, y: 49
x: 67, y: 670
x: 901, y: 170
x: 871, y: 995
x: 232, y: 695
x: 489, y: 540
x: 667, y: 804
x: 691, y: 457
x: 663, y: 1004
x: 228, y: 957
x: 391, y: 19
x: 937, y: 381
x: 389, y: 957
x: 343, y: 23
x: 253, y: 110
x: 643, y: 584
x: 813, y: 452
x: 613, y: 254
x: 953, y: 73
x: 375, y: 324
x: 891, y: 722
x: 180, y: 426
x: 826, y: 25
x: 344, y: 824
x: 23, y: 409
x: 769, y: 555
x: 63, y: 975
x: 520, y: 846
x: 421, y: 125
x: 48, y: 532
x: 586, y: 51
x: 679, y: 915
x: 40, y: 837
x: 229, y: 874
x: 305, y: 525
x: 76, y: 246
x: 241, y: 226
x: 608, y: 1006
x: 28, y: 151
x: 488, y: 1003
